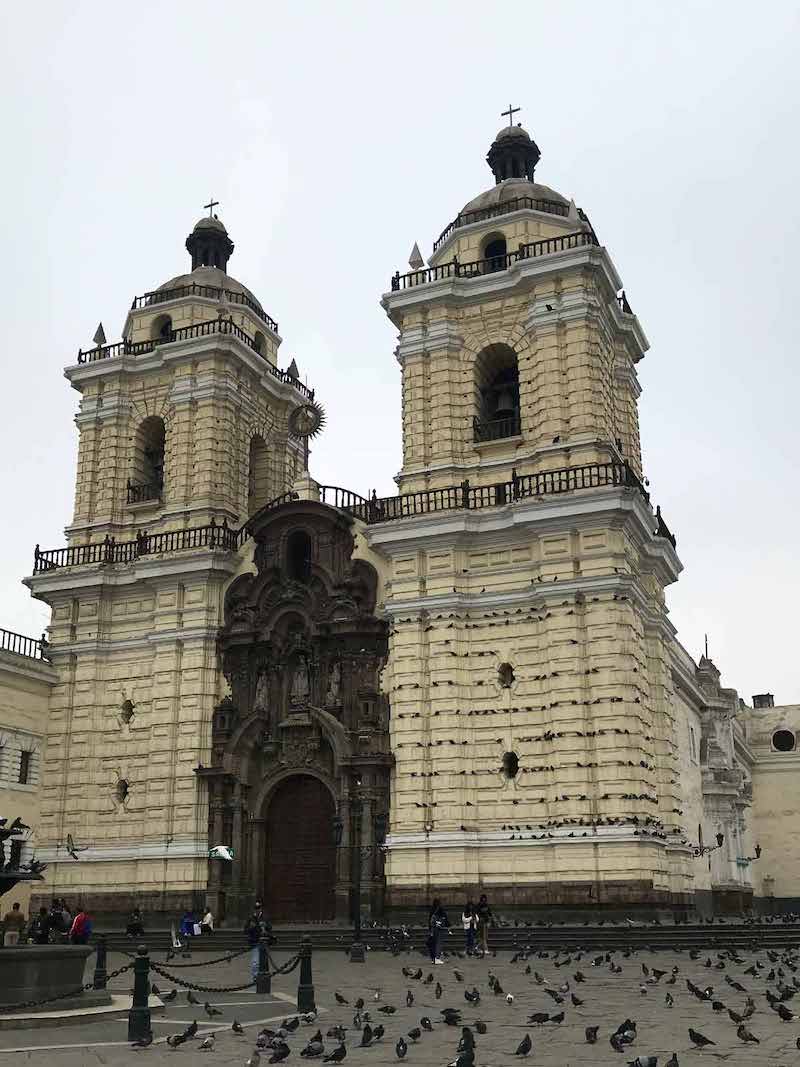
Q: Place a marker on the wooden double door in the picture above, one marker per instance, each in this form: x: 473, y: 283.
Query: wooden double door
x: 300, y: 871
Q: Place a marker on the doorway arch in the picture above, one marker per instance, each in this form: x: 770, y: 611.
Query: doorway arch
x: 300, y: 872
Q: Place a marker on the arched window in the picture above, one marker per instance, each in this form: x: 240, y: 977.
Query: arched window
x: 496, y: 394
x: 147, y: 474
x: 298, y: 556
x: 494, y: 252
x: 259, y: 342
x: 161, y: 328
x: 257, y: 475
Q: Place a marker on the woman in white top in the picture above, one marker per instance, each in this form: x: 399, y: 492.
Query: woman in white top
x: 469, y: 921
x: 207, y: 922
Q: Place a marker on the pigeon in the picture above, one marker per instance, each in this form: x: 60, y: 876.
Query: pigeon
x: 509, y: 998
x: 672, y: 1061
x: 254, y: 1060
x: 646, y: 1061
x: 378, y: 1033
x: 576, y: 1001
x: 175, y: 1039
x: 557, y: 1019
x: 340, y: 1000
x: 209, y: 1009
x: 366, y: 1037
x: 539, y: 1018
x: 191, y: 1029
x: 143, y: 1042
x: 425, y: 1023
x: 591, y: 1034
x: 415, y: 1034
x: 401, y: 1048
x: 388, y: 1009
x: 669, y: 1000
x: 784, y: 1013
x: 291, y: 1025
x: 467, y: 1039
x: 744, y: 1035
x: 480, y: 1026
x: 336, y: 1056
x: 464, y: 1059
x: 280, y: 1054
x: 313, y: 1048
x: 207, y: 1044
x: 409, y: 999
x: 698, y: 1039
x: 237, y: 1027
x: 190, y: 997
x: 524, y: 1047
x: 168, y: 997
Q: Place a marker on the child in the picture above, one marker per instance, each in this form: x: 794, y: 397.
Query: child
x: 469, y: 921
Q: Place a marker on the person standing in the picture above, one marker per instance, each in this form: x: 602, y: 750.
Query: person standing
x: 81, y: 928
x: 135, y: 926
x: 14, y: 922
x: 469, y: 922
x: 256, y: 927
x: 484, y: 914
x: 437, y: 924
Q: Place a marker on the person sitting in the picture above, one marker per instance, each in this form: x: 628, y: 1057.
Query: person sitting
x: 207, y: 922
x: 135, y: 927
x: 39, y: 932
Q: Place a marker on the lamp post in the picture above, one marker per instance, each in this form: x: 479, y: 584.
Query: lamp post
x: 745, y: 861
x: 706, y: 850
x: 358, y: 853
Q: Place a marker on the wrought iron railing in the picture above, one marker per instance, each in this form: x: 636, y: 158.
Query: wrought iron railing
x: 211, y: 292
x: 495, y: 429
x: 476, y: 268
x: 371, y: 510
x: 185, y: 333
x: 32, y: 647
x: 520, y: 203
x: 140, y: 492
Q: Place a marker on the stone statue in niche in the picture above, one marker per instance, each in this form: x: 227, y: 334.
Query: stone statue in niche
x: 334, y: 684
x: 301, y: 687
x: 261, y: 700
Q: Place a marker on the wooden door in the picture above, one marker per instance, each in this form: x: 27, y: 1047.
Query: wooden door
x: 301, y: 857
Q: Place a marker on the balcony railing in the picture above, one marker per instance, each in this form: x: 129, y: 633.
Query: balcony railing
x: 141, y: 492
x: 521, y: 203
x: 210, y: 292
x: 32, y: 647
x: 477, y: 268
x: 185, y: 333
x: 370, y: 510
x: 495, y: 429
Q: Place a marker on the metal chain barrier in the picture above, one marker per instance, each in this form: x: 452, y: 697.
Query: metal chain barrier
x: 61, y: 996
x: 283, y: 969
x: 200, y: 963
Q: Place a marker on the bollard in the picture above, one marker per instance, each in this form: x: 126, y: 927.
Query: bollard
x: 139, y: 1015
x: 100, y: 972
x: 263, y: 979
x: 305, y: 987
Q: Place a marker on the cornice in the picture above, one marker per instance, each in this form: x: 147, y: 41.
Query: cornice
x: 104, y: 646
x: 167, y: 848
x: 486, y: 839
x: 71, y: 580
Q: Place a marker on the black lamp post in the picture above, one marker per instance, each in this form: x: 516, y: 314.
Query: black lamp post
x: 357, y: 855
x: 745, y: 861
x: 706, y: 850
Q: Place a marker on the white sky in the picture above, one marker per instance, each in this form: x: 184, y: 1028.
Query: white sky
x: 337, y: 134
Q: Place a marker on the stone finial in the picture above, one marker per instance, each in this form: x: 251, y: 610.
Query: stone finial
x: 292, y: 370
x: 415, y: 260
x: 572, y: 212
x: 99, y: 335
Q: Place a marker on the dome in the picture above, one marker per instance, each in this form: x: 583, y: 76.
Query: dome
x: 212, y: 276
x: 515, y: 133
x: 209, y: 223
x: 512, y: 189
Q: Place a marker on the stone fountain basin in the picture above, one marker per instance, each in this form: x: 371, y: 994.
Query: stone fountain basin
x: 37, y: 972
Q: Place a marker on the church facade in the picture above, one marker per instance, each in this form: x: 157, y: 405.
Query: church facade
x: 472, y: 686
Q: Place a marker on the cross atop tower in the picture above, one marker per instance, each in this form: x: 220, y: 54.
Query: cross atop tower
x: 215, y: 203
x: 511, y: 112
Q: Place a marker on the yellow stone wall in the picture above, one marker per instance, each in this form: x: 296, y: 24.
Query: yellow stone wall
x: 578, y: 387
x: 25, y: 686
x: 776, y: 803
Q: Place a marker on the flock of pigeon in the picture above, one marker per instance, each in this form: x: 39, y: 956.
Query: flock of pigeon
x: 773, y: 975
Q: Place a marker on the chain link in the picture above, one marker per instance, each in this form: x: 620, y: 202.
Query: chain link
x: 285, y: 968
x: 62, y: 996
x: 200, y: 963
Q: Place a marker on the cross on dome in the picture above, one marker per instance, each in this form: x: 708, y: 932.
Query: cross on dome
x: 511, y: 112
x: 215, y: 203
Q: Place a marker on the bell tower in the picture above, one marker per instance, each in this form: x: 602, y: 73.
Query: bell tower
x: 533, y: 714
x: 184, y: 434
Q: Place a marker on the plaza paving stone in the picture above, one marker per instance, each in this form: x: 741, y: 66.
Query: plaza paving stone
x: 608, y: 999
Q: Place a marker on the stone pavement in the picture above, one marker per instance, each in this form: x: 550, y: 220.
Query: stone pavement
x: 607, y: 999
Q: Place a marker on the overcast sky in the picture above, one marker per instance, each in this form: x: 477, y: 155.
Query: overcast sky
x: 335, y: 135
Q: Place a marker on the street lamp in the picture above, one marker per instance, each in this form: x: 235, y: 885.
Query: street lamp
x: 745, y: 861
x: 706, y: 850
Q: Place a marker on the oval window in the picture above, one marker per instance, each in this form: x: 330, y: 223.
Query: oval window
x: 783, y: 741
x: 510, y: 764
x: 505, y: 675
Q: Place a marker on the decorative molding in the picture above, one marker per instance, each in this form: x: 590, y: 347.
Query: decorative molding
x: 176, y: 849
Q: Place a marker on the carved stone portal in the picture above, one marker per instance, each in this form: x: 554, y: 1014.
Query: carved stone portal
x: 302, y: 650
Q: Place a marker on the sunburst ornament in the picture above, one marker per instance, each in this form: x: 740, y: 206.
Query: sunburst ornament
x: 307, y: 420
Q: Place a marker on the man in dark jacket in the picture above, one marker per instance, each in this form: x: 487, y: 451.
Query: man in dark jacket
x: 256, y: 927
x: 39, y: 931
